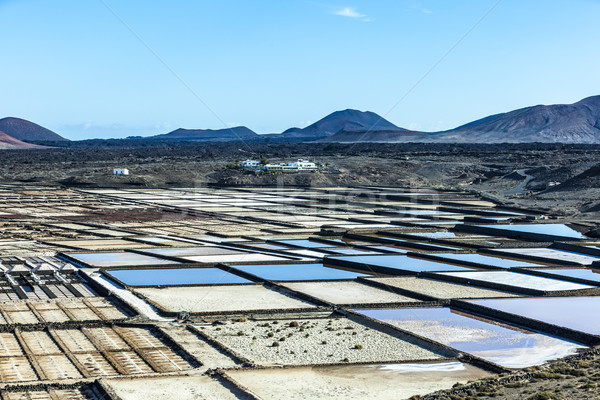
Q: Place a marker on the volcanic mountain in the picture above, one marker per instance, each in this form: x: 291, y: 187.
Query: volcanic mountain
x: 9, y: 142
x: 28, y: 131
x: 346, y: 120
x: 227, y: 134
x: 559, y: 123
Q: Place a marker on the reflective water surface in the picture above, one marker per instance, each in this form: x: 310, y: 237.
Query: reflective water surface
x: 578, y: 313
x: 297, y: 272
x: 175, y: 276
x: 505, y: 345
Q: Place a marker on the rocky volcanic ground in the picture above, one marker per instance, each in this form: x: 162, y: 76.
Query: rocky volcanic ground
x: 576, y: 377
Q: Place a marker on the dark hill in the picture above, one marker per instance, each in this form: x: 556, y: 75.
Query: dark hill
x: 346, y: 120
x: 559, y: 123
x: 28, y: 131
x: 235, y: 133
x: 588, y: 179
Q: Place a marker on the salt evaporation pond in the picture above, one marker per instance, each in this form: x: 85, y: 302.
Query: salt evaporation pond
x: 345, y: 382
x: 543, y: 229
x: 592, y: 275
x: 304, y: 243
x: 509, y: 346
x: 487, y: 260
x: 515, y: 279
x: 577, y: 313
x: 297, y: 272
x: 351, y: 251
x: 175, y: 276
x: 193, y: 251
x: 405, y: 243
x: 118, y: 259
x: 386, y: 248
x: 553, y: 255
x: 402, y: 263
x: 436, y: 235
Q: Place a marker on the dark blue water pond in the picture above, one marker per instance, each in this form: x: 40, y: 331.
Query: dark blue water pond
x: 297, y: 272
x: 175, y: 276
x: 403, y: 263
x: 304, y: 243
x: 544, y: 229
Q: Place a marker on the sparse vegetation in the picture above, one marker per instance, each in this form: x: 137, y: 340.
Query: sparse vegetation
x: 572, y: 378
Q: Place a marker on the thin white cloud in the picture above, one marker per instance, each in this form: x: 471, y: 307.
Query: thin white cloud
x: 422, y: 9
x: 351, y: 12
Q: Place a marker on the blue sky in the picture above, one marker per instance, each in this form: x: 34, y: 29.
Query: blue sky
x: 107, y: 68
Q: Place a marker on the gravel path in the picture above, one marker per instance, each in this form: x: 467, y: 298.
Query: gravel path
x: 126, y: 296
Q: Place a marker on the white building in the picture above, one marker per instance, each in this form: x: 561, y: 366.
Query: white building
x: 120, y: 171
x: 250, y: 163
x: 300, y: 165
x: 279, y: 167
x: 303, y: 165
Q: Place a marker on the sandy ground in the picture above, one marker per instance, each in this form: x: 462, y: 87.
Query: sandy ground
x: 375, y: 382
x: 313, y: 341
x: 221, y: 298
x: 168, y: 388
x: 347, y: 292
x: 442, y: 290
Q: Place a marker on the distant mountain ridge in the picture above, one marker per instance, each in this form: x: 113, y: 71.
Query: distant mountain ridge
x: 563, y: 123
x: 559, y: 123
x: 24, y: 130
x: 234, y: 133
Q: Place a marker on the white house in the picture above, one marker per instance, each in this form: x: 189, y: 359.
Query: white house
x: 120, y: 171
x: 250, y: 163
x: 300, y: 165
x: 303, y: 165
x: 279, y: 167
